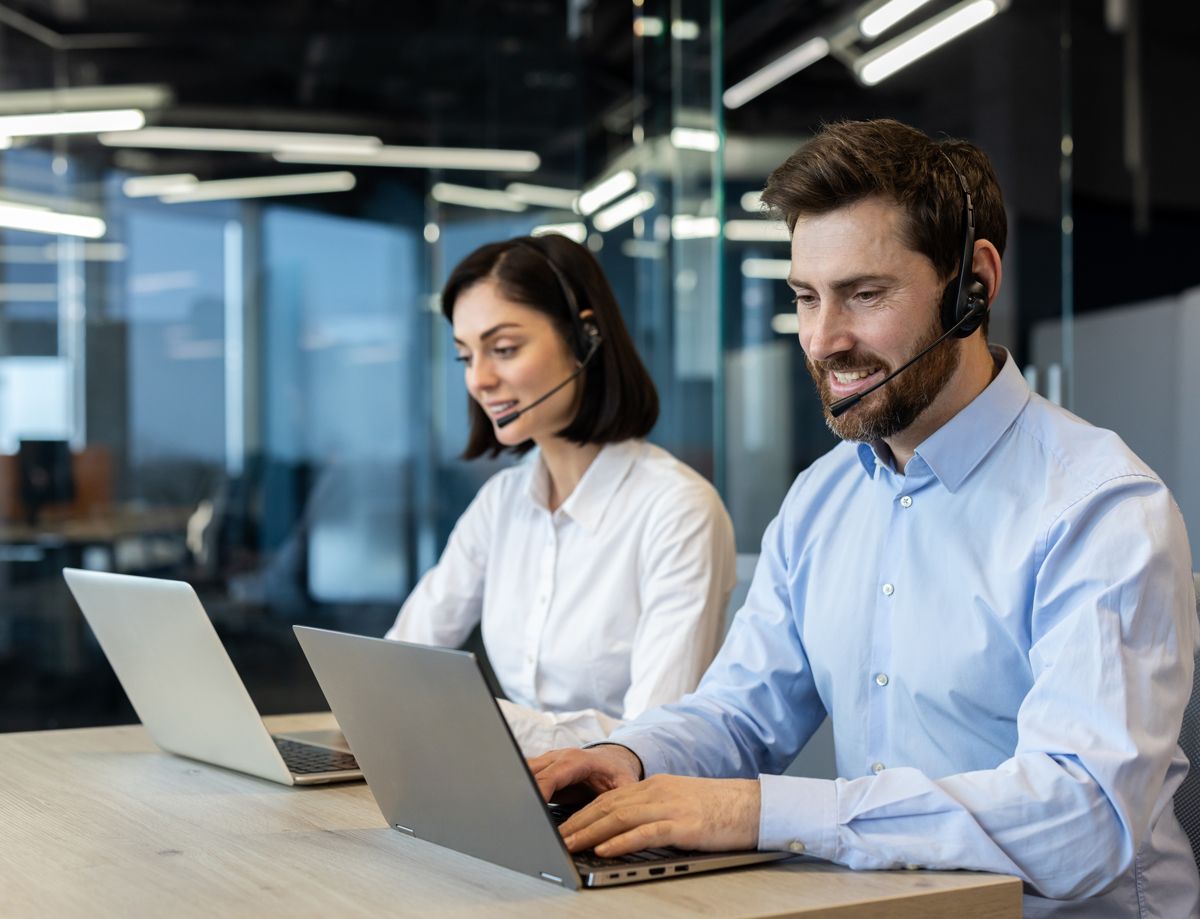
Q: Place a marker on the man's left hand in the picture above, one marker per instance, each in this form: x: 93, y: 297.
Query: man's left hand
x: 713, y: 815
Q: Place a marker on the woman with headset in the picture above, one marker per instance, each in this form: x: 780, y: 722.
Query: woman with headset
x: 600, y: 566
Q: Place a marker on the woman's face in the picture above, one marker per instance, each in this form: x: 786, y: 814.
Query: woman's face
x: 513, y: 355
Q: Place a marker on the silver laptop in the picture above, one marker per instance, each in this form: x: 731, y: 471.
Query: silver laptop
x: 443, y: 766
x: 184, y: 687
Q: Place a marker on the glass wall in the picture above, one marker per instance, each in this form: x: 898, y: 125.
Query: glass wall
x: 258, y: 394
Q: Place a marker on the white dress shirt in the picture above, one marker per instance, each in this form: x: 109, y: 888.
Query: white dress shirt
x: 611, y: 605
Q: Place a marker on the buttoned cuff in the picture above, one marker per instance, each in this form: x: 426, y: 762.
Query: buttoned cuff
x: 798, y: 815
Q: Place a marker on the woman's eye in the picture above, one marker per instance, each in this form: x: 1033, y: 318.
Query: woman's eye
x: 463, y: 358
x: 505, y: 351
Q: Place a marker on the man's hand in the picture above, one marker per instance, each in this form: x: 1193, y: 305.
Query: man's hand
x: 712, y: 815
x: 600, y: 768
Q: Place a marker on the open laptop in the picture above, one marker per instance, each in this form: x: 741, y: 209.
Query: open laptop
x: 184, y: 687
x: 440, y: 760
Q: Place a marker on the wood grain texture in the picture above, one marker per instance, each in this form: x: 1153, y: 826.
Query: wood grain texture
x: 100, y: 823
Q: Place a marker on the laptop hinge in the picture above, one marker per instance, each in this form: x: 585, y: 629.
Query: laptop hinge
x: 551, y: 877
x: 405, y: 830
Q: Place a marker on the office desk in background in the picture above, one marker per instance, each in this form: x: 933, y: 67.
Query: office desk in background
x: 98, y: 822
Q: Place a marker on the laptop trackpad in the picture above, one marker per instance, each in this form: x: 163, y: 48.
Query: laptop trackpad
x: 332, y: 739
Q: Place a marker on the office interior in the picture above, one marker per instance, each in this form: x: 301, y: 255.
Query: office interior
x: 223, y: 228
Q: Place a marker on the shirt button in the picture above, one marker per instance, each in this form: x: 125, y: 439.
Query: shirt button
x: 796, y: 846
x: 888, y: 590
x: 529, y: 659
x: 881, y: 679
x: 877, y: 768
x: 906, y: 501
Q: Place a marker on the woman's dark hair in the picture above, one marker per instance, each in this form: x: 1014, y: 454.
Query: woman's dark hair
x: 618, y: 399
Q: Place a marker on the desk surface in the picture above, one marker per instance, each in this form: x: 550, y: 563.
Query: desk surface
x: 98, y: 822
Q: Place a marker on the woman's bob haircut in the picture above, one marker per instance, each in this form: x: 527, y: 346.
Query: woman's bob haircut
x: 617, y: 399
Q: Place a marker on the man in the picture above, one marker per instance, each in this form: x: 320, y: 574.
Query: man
x: 990, y: 597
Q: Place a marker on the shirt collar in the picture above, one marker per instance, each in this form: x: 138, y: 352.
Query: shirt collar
x: 593, y: 495
x: 954, y: 450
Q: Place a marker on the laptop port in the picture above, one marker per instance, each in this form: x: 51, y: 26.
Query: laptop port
x: 630, y: 874
x: 657, y: 871
x: 612, y: 877
x: 679, y: 868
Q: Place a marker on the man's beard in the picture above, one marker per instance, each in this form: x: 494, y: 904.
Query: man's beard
x: 891, y: 409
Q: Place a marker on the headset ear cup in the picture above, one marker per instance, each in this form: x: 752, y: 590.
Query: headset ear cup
x: 975, y: 305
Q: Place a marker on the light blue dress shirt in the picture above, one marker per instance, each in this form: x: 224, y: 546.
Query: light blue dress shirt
x: 1003, y: 636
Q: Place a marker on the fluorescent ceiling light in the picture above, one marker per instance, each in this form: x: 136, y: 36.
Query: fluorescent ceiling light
x: 43, y: 220
x: 146, y: 186
x: 469, y: 196
x: 85, y: 98
x: 238, y: 141
x: 758, y: 231
x: 695, y: 139
x: 642, y: 248
x: 29, y: 293
x: 91, y: 252
x: 880, y: 63
x: 685, y: 29
x: 769, y: 269
x: 543, y: 195
x: 685, y: 226
x: 803, y: 55
x: 575, y: 231
x: 883, y: 18
x: 648, y: 27
x: 785, y: 324
x: 625, y: 209
x: 263, y: 187
x: 417, y: 158
x: 610, y: 189
x: 752, y: 201
x: 43, y: 253
x: 45, y: 124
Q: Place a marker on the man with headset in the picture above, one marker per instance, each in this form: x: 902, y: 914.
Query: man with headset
x: 991, y: 598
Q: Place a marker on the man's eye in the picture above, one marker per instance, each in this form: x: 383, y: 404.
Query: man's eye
x: 866, y: 296
x: 804, y: 300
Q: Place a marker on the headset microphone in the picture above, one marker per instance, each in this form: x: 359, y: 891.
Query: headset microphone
x: 585, y: 331
x: 505, y: 420
x: 844, y: 405
x: 963, y: 306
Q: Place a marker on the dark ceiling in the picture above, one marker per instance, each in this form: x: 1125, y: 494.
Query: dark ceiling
x: 559, y: 76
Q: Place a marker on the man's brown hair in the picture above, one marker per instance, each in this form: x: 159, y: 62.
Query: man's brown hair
x: 849, y: 161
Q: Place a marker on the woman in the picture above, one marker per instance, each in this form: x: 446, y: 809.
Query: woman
x: 601, y: 566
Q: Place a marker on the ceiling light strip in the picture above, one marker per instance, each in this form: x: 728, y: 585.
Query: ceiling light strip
x: 880, y: 63
x: 263, y: 187
x: 803, y: 55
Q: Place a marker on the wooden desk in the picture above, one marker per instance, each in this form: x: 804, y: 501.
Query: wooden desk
x: 98, y: 823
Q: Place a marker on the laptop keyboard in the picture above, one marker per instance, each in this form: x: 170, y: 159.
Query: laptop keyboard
x: 305, y: 759
x: 559, y: 813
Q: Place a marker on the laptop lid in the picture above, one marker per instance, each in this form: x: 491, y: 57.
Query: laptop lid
x: 436, y: 751
x: 175, y: 671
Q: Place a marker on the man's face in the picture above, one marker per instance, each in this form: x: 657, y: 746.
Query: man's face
x: 866, y: 304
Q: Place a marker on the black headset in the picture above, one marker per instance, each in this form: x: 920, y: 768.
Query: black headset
x: 585, y: 337
x: 964, y: 304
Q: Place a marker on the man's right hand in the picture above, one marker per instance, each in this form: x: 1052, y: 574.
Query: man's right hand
x: 601, y: 768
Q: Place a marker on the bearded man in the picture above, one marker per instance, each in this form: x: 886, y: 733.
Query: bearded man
x: 991, y: 598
